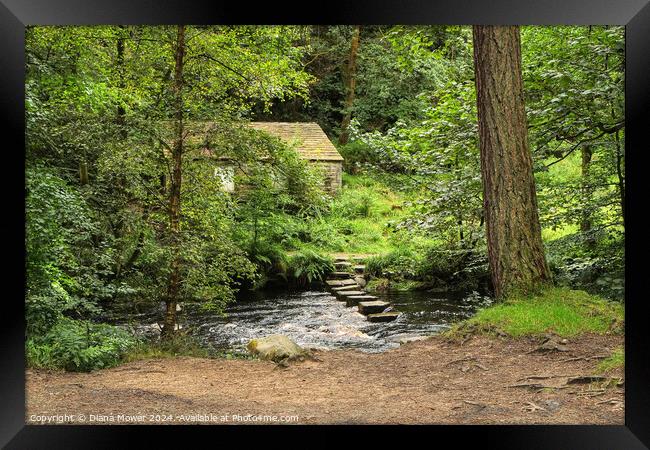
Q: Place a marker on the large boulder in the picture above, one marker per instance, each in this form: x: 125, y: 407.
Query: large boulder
x: 276, y: 348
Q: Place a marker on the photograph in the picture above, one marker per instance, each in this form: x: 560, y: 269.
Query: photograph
x: 324, y: 224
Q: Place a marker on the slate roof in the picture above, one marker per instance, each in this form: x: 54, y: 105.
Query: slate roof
x: 311, y: 141
x: 308, y: 138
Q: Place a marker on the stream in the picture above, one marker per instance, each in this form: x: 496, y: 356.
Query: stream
x: 311, y: 318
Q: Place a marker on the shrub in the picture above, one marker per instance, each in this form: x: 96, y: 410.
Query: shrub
x: 378, y: 285
x: 308, y: 267
x: 271, y: 259
x: 356, y: 155
x: 328, y: 235
x: 599, y: 270
x: 357, y: 203
x: 400, y: 263
x: 465, y: 269
x: 79, y: 346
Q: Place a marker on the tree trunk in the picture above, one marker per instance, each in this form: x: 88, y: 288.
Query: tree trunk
x: 586, y: 153
x: 350, y: 81
x: 619, y: 173
x: 83, y: 172
x: 515, y: 249
x: 121, y: 112
x: 174, y: 285
x: 585, y: 222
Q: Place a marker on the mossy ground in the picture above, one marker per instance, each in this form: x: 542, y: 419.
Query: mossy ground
x: 561, y: 311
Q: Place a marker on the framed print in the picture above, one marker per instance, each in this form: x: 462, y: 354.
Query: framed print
x: 391, y: 214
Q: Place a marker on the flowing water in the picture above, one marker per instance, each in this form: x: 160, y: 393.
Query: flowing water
x: 315, y: 319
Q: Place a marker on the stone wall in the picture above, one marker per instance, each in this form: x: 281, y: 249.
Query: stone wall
x: 332, y: 173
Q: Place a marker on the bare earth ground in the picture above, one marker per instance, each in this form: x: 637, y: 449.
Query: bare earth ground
x: 431, y: 381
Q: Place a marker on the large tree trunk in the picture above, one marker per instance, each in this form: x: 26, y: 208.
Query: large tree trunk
x: 350, y: 82
x: 515, y: 249
x: 174, y: 284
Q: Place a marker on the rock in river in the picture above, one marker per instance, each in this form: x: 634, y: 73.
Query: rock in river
x: 406, y: 338
x: 361, y: 281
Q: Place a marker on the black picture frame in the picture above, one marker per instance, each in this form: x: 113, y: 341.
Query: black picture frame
x: 15, y: 15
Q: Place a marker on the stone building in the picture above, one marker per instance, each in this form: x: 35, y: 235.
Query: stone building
x: 312, y: 144
x: 307, y: 138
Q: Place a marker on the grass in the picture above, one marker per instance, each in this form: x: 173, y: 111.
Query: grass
x: 562, y: 311
x: 360, y: 219
x: 180, y: 345
x: 551, y: 234
x: 616, y: 360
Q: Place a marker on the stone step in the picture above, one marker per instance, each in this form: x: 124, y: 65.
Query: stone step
x: 343, y: 265
x: 360, y: 268
x: 342, y: 259
x: 337, y: 283
x: 342, y: 295
x: 349, y: 287
x: 354, y: 300
x: 339, y: 275
x: 383, y: 317
x: 373, y: 307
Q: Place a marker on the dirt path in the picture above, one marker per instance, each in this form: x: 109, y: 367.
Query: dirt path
x: 430, y: 381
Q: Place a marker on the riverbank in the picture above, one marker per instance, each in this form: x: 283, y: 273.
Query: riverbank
x: 477, y: 380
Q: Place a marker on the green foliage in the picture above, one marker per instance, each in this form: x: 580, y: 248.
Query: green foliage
x: 357, y: 156
x: 66, y: 272
x: 272, y: 262
x: 575, y: 102
x: 308, y: 267
x: 598, y: 268
x: 378, y: 285
x: 79, y: 346
x: 400, y: 263
x: 559, y: 310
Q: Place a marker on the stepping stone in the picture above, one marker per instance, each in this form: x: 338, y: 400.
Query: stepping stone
x: 350, y: 287
x: 337, y: 283
x: 342, y: 264
x: 383, y: 317
x: 354, y: 300
x: 342, y: 295
x: 372, y: 307
x: 360, y: 268
x: 339, y: 275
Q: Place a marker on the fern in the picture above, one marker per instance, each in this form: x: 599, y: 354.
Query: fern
x: 308, y: 267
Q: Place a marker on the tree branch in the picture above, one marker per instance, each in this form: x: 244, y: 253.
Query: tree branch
x: 572, y: 149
